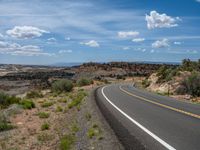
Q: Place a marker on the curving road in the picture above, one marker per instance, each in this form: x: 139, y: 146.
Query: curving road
x: 143, y: 120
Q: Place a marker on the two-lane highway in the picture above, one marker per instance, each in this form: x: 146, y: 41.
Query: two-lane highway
x: 153, y: 121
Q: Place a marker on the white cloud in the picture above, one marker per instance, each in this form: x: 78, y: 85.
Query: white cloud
x: 17, y: 49
x: 126, y: 48
x: 65, y: 51
x: 161, y: 43
x: 152, y: 51
x: 1, y: 36
x: 91, y: 43
x: 124, y: 34
x: 192, y: 51
x: 138, y: 40
x: 177, y: 43
x: 52, y: 39
x: 198, y: 1
x: 25, y: 32
x: 143, y: 50
x: 67, y: 38
x: 156, y: 20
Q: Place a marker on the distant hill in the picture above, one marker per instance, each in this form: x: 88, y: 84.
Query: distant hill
x: 63, y: 64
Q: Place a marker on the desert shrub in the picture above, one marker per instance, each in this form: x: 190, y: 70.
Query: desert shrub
x: 27, y: 104
x: 62, y: 100
x: 121, y: 77
x: 188, y: 65
x: 44, y: 137
x: 77, y: 99
x: 4, y: 125
x: 75, y: 128
x: 106, y: 81
x: 34, y: 94
x: 166, y: 73
x: 62, y: 86
x: 145, y: 83
x: 84, y: 82
x: 6, y: 100
x: 66, y: 142
x: 47, y: 104
x: 74, y: 102
x: 43, y: 115
x: 91, y: 133
x: 88, y: 116
x: 190, y: 85
x: 45, y: 126
x: 59, y: 109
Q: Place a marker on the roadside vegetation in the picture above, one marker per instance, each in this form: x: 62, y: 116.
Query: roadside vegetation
x: 34, y: 94
x: 50, y: 117
x: 190, y: 85
x: 177, y: 80
x: 63, y: 85
x: 84, y: 82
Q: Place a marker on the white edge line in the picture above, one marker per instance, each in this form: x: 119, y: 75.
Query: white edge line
x: 138, y: 124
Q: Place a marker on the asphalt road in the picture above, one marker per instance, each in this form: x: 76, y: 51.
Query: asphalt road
x: 143, y: 120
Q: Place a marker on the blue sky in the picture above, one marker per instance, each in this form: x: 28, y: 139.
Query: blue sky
x: 48, y: 32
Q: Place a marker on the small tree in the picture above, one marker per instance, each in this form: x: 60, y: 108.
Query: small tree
x: 62, y: 86
x: 190, y: 85
x: 84, y: 82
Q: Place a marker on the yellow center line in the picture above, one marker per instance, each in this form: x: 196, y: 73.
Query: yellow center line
x: 162, y: 105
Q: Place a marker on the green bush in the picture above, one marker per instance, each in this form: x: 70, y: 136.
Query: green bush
x: 84, y: 82
x: 43, y: 115
x: 47, y: 104
x: 6, y: 100
x: 34, y: 94
x: 78, y: 99
x: 166, y: 73
x: 27, y: 104
x: 62, y: 86
x: 4, y: 126
x: 190, y: 85
x: 188, y: 65
x: 75, y: 128
x: 59, y: 109
x: 45, y: 126
x: 66, y: 142
x: 145, y: 83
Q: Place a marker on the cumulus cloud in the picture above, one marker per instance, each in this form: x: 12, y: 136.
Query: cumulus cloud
x: 91, y: 43
x: 17, y: 49
x: 65, y: 51
x: 161, y: 43
x: 137, y: 40
x: 25, y: 32
x: 127, y: 34
x: 177, y: 43
x: 156, y: 20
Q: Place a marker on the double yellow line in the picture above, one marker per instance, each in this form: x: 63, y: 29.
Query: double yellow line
x: 161, y: 105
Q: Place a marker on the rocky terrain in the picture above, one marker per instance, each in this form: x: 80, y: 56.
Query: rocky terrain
x: 46, y: 108
x: 181, y: 82
x: 17, y: 79
x: 49, y: 120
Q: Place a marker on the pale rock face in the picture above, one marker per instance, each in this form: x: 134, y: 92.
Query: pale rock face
x: 170, y: 86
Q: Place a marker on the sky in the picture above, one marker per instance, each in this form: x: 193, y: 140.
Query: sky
x: 65, y: 31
